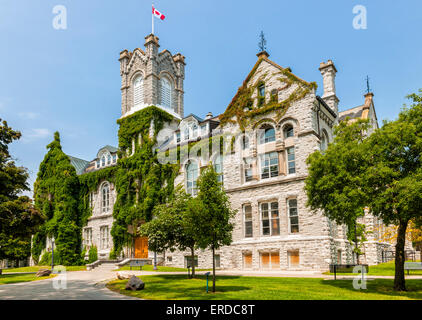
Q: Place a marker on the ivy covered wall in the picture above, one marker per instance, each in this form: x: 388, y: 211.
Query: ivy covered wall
x: 56, y: 193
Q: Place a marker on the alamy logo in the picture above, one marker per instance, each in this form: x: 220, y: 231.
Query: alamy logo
x: 60, y: 281
x: 60, y: 20
x: 360, y: 20
x: 359, y: 282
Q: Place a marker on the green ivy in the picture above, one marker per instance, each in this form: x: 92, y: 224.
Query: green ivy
x: 241, y: 107
x: 141, y: 180
x: 56, y: 193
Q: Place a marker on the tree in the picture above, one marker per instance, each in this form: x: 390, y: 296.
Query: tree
x: 214, y: 214
x: 173, y: 225
x: 393, y: 179
x: 335, y: 179
x: 56, y: 193
x: 18, y: 218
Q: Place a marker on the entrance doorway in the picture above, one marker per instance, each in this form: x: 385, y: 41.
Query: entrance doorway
x: 141, y: 247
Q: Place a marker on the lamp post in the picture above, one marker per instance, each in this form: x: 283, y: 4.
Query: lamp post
x: 52, y: 254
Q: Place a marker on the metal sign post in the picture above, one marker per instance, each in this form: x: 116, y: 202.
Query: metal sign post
x: 207, y: 274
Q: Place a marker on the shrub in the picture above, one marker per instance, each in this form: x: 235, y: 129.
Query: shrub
x: 93, y: 254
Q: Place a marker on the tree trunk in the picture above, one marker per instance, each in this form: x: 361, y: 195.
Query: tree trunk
x: 356, y: 245
x: 192, y: 250
x: 213, y: 269
x: 399, y: 283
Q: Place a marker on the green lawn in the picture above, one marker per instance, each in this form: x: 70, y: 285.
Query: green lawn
x: 383, y: 269
x: 36, y: 268
x: 178, y: 287
x: 15, y: 278
x: 149, y: 267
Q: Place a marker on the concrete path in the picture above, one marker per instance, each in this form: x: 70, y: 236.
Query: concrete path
x: 80, y: 285
x: 90, y: 285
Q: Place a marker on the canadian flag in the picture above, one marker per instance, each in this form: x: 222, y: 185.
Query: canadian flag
x: 158, y: 14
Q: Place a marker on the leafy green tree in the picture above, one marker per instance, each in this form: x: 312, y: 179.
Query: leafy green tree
x: 393, y: 179
x: 56, y: 193
x: 214, y: 215
x: 334, y: 183
x: 18, y: 218
x: 173, y: 225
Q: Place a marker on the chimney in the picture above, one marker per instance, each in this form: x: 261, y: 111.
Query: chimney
x: 328, y: 72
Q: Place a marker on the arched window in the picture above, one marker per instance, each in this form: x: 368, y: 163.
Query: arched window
x: 165, y: 93
x: 138, y: 91
x: 191, y: 178
x: 105, y: 197
x: 288, y: 131
x: 267, y: 134
x: 218, y: 167
x: 245, y: 143
x: 324, y: 141
x: 108, y: 159
x: 103, y: 161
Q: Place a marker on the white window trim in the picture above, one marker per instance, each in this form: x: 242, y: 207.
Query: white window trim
x: 269, y: 167
x: 288, y: 216
x: 269, y: 219
x: 244, y: 220
x: 287, y: 160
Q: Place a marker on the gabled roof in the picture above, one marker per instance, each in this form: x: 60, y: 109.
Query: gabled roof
x: 353, y: 113
x: 195, y: 116
x: 79, y: 164
x: 109, y: 148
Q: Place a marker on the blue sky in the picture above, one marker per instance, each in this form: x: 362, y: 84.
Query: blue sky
x: 68, y: 80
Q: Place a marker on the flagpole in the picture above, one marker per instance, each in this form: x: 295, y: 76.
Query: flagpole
x: 152, y: 16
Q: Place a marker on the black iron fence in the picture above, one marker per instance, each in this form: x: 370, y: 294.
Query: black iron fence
x: 386, y: 256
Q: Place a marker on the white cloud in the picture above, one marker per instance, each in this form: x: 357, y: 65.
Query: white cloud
x: 28, y: 115
x: 35, y: 134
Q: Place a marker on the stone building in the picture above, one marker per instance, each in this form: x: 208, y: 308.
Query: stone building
x: 263, y: 173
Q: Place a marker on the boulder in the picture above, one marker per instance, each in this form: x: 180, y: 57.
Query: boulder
x: 43, y: 273
x: 134, y: 284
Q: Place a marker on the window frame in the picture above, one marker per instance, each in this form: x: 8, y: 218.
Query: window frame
x: 270, y: 218
x: 290, y: 216
x: 263, y: 138
x: 245, y: 234
x: 138, y: 90
x: 105, y: 198
x: 291, y: 170
x: 104, y: 237
x: 193, y: 181
x: 288, y: 131
x: 271, y: 172
x: 166, y: 92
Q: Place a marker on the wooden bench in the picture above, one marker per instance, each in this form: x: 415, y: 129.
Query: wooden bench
x: 412, y: 266
x: 347, y: 268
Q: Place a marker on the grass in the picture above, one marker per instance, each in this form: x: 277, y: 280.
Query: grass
x: 382, y: 269
x: 150, y: 267
x: 15, y: 278
x: 178, y: 287
x: 36, y: 268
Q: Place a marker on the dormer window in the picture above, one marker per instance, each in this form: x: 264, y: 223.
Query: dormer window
x: 98, y: 163
x: 138, y: 91
x: 108, y: 159
x: 195, y: 131
x: 103, y: 161
x: 165, y: 93
x: 186, y: 133
x: 114, y: 158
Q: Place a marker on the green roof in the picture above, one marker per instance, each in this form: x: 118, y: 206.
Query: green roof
x: 79, y: 164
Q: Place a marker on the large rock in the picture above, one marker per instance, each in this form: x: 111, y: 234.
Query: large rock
x: 134, y: 284
x: 43, y: 273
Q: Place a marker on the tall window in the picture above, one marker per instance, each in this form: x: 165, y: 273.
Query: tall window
x: 114, y: 158
x: 195, y: 131
x: 288, y: 131
x: 291, y: 165
x: 98, y: 163
x: 269, y: 165
x: 261, y: 95
x: 267, y: 135
x: 138, y: 91
x: 165, y: 93
x: 104, y: 237
x: 270, y: 219
x: 245, y: 142
x: 103, y: 161
x: 218, y: 167
x: 88, y: 237
x: 248, y: 169
x: 191, y: 177
x: 178, y: 137
x: 108, y: 159
x: 247, y: 217
x: 324, y: 141
x: 293, y: 216
x: 105, y: 196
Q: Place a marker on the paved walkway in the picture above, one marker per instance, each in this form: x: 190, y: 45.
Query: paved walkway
x: 90, y: 285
